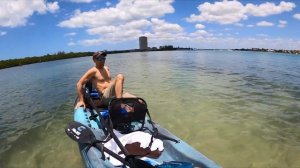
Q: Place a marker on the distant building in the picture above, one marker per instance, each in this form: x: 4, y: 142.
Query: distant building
x: 143, y: 43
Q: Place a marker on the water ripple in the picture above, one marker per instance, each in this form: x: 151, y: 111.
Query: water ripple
x: 235, y: 102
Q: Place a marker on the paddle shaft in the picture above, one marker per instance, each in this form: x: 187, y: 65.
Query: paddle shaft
x: 110, y: 130
x: 122, y: 160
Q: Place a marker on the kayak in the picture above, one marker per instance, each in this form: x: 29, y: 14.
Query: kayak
x: 176, y: 152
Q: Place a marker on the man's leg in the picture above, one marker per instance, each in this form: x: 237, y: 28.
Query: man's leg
x: 119, y: 85
x: 126, y: 94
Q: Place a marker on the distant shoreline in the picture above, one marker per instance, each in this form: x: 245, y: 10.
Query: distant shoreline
x: 62, y: 55
x: 269, y: 50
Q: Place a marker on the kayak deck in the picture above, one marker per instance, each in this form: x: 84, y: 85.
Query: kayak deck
x: 93, y: 158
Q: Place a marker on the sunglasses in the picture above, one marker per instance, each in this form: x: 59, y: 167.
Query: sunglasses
x: 101, y: 58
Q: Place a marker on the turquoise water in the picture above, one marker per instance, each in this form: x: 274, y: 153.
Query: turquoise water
x: 241, y: 109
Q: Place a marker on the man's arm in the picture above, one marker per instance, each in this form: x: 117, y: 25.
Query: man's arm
x: 83, y: 80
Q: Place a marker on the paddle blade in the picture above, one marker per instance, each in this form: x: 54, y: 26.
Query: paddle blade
x: 80, y: 133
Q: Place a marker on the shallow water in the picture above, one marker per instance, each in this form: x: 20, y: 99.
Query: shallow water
x: 241, y: 109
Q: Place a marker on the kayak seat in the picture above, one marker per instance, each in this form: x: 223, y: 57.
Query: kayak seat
x: 127, y: 114
x: 90, y: 92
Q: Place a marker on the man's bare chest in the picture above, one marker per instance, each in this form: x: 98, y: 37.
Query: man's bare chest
x: 102, y: 76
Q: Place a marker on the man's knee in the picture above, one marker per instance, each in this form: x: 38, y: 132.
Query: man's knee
x: 120, y: 77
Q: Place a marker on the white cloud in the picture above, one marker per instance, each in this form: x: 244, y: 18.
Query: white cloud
x: 71, y: 34
x: 225, y: 12
x: 199, y: 26
x: 114, y: 33
x: 71, y: 44
x: 92, y: 42
x: 200, y: 34
x: 264, y: 24
x: 282, y: 23
x: 268, y: 8
x: 262, y: 41
x: 165, y: 33
x: 81, y: 1
x: 102, y: 30
x: 128, y: 31
x: 157, y: 30
x: 2, y: 33
x: 124, y: 11
x: 161, y: 30
x: 52, y: 7
x: 130, y: 19
x: 297, y: 16
x: 229, y: 12
x: 162, y: 26
x: 15, y: 13
x: 239, y: 24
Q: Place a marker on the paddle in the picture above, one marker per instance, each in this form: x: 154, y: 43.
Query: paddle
x: 80, y: 133
x: 83, y: 134
x: 108, y: 128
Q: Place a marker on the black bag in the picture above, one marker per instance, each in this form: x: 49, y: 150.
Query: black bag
x: 127, y: 114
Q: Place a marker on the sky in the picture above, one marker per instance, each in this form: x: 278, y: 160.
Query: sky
x: 39, y: 27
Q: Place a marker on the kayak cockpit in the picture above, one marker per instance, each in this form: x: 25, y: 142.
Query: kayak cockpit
x: 110, y: 121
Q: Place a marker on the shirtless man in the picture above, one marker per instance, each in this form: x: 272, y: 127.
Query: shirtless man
x: 101, y: 78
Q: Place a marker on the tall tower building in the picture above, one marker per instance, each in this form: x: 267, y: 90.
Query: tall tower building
x: 143, y: 43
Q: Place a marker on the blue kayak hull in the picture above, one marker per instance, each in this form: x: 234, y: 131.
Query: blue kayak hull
x: 181, y: 151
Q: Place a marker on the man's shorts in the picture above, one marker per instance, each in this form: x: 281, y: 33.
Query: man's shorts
x: 109, y: 92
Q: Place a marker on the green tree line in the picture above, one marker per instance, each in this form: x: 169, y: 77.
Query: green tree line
x: 62, y: 55
x: 30, y: 60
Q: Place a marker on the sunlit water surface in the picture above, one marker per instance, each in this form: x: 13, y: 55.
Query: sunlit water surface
x: 241, y: 109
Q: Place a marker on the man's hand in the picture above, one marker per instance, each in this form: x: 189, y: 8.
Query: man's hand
x: 80, y: 104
